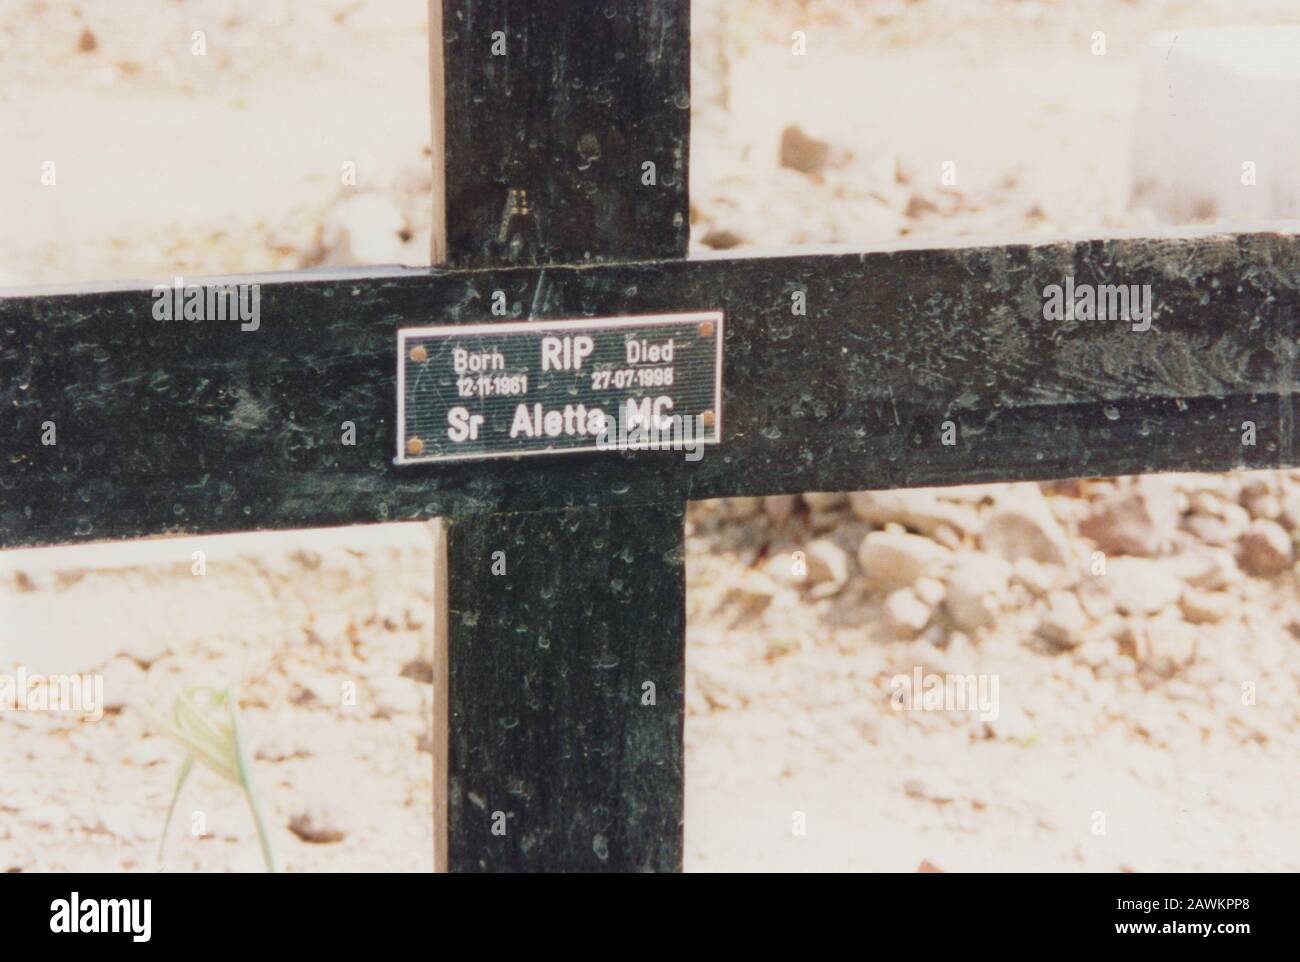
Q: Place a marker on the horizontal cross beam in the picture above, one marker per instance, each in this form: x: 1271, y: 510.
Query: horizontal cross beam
x: 841, y: 372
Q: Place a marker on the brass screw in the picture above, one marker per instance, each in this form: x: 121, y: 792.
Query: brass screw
x: 707, y: 419
x: 706, y: 329
x: 414, y: 446
x: 418, y: 353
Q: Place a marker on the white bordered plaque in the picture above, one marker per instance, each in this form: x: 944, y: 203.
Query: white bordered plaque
x: 651, y: 382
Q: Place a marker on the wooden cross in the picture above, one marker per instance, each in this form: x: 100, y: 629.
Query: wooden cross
x: 904, y: 367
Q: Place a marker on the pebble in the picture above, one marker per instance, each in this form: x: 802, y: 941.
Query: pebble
x: 917, y: 509
x: 828, y: 566
x: 1206, y: 607
x: 1097, y: 652
x: 1022, y: 526
x: 976, y: 585
x: 819, y: 501
x: 319, y: 824
x: 742, y: 509
x: 1265, y: 549
x: 1141, y: 586
x: 1170, y: 645
x: 904, y: 614
x: 1065, y: 621
x: 930, y: 590
x: 892, y: 559
x: 1138, y: 521
x: 803, y: 153
x: 779, y: 507
x: 1265, y: 507
x: 1205, y: 567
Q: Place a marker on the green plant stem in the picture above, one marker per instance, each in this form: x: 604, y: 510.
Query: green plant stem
x: 263, y: 839
x: 186, y: 767
x: 250, y: 790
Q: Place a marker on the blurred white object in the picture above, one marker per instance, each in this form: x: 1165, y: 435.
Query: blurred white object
x: 1218, y: 125
x: 364, y: 229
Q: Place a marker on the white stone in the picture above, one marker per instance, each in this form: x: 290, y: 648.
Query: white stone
x: 1141, y: 586
x: 1065, y: 621
x: 1022, y: 526
x: 977, y: 584
x: 919, y: 509
x: 904, y: 614
x: 825, y: 501
x: 827, y: 563
x: 891, y: 559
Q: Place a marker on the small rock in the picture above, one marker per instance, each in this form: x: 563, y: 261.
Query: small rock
x: 1213, y: 516
x: 825, y: 501
x: 808, y: 155
x: 757, y: 586
x: 1206, y: 567
x: 1265, y: 549
x: 418, y: 670
x: 1138, y: 521
x: 930, y: 590
x: 1022, y: 526
x: 822, y: 521
x: 828, y: 565
x: 927, y: 867
x: 1210, y: 529
x: 1065, y: 621
x: 742, y: 509
x: 918, y: 205
x: 1140, y: 586
x: 948, y: 536
x: 1206, y: 607
x: 977, y: 584
x: 721, y: 239
x: 1094, y: 597
x: 319, y: 824
x: 1170, y: 645
x: 87, y: 43
x: 891, y: 559
x: 1034, y: 576
x: 34, y: 581
x: 914, y: 788
x: 919, y: 509
x: 1097, y: 652
x: 1265, y: 507
x: 784, y: 568
x: 904, y: 614
x: 1290, y: 518
x: 779, y: 507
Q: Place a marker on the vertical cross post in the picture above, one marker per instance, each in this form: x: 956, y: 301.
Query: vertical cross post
x: 565, y: 133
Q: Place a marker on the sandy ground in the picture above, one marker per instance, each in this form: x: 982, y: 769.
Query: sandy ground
x: 326, y: 636
x: 169, y: 162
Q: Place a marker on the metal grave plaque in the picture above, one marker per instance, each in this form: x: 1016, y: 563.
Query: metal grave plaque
x: 552, y: 387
